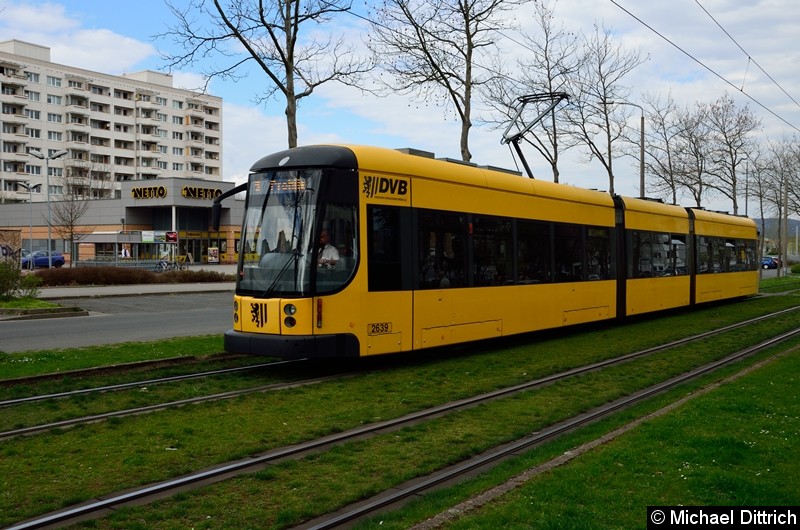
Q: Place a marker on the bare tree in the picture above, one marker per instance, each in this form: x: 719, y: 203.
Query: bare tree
x: 82, y: 181
x: 731, y: 129
x: 663, y: 139
x: 549, y: 59
x: 430, y: 47
x: 760, y: 186
x: 598, y: 120
x: 692, y: 153
x: 277, y: 35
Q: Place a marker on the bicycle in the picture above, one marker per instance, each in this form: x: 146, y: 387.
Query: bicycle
x: 165, y: 266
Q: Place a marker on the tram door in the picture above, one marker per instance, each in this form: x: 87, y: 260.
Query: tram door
x: 389, y: 296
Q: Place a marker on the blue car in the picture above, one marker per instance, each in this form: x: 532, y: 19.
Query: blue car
x: 768, y: 262
x: 40, y: 260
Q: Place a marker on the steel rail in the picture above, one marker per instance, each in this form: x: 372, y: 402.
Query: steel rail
x: 134, y: 384
x: 241, y: 466
x: 417, y: 486
x: 35, y: 429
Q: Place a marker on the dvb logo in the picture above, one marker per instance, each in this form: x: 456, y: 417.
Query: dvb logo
x: 374, y: 186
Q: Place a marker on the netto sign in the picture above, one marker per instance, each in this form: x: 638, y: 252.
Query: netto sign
x: 192, y: 192
x: 149, y: 192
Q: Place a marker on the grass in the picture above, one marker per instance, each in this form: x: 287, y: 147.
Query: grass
x: 138, y: 450
x: 27, y: 303
x: 288, y: 493
x: 24, y: 364
x: 735, y: 447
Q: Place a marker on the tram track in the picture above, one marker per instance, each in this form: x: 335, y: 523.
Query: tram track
x: 72, y: 422
x: 422, y: 485
x: 147, y: 382
x: 251, y: 464
x: 114, y: 368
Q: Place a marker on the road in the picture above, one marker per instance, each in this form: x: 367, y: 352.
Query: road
x: 115, y: 319
x: 122, y: 319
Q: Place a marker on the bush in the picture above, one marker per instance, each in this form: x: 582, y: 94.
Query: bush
x: 14, y: 284
x: 29, y: 286
x: 796, y: 268
x: 125, y: 276
x: 9, y: 280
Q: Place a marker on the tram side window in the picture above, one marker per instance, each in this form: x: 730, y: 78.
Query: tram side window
x: 442, y: 257
x: 493, y: 245
x: 533, y: 252
x: 707, y: 255
x: 598, y: 249
x: 384, y: 248
x: 677, y: 259
x: 746, y: 255
x: 654, y: 254
x: 568, y: 253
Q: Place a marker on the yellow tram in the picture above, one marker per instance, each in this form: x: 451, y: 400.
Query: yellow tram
x: 356, y: 251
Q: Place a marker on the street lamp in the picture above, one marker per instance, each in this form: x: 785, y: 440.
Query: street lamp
x: 47, y: 159
x: 641, y: 142
x: 30, y: 189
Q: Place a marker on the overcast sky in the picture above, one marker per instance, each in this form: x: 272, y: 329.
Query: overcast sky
x: 117, y: 37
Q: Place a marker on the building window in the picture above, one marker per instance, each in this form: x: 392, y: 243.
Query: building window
x: 33, y: 77
x: 54, y: 118
x: 33, y: 96
x: 53, y: 81
x: 53, y: 99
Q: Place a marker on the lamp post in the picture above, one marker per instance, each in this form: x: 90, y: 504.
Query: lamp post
x: 47, y: 159
x: 641, y: 142
x: 30, y: 189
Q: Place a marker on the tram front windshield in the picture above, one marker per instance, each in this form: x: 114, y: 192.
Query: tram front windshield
x: 294, y: 219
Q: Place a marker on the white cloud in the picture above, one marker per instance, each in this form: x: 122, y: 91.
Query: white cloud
x: 99, y: 50
x: 248, y: 135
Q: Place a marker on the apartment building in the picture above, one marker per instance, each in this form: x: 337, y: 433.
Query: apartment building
x: 145, y: 159
x: 87, y: 132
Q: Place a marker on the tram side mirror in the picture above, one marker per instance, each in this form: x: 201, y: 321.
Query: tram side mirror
x: 216, y: 207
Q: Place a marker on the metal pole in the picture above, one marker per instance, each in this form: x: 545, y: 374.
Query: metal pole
x: 30, y: 233
x: 30, y: 187
x: 641, y: 158
x: 49, y: 220
x: 47, y: 159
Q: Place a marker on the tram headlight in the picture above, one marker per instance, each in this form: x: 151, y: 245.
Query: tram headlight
x: 289, y: 309
x: 289, y: 322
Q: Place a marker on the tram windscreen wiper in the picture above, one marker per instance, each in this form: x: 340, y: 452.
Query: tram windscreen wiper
x: 294, y: 259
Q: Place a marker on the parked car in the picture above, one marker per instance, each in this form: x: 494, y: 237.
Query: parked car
x: 40, y: 259
x: 768, y: 262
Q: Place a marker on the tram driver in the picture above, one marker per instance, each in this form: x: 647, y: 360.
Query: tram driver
x: 328, y: 254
